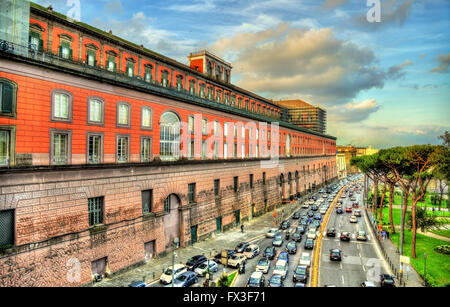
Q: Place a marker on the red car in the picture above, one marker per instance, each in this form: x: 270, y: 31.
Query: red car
x: 355, y: 205
x: 348, y: 209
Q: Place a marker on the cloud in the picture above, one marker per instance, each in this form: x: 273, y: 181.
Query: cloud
x: 114, y: 6
x: 331, y: 4
x: 395, y: 72
x: 444, y: 63
x: 196, y: 7
x: 311, y: 62
x: 353, y: 111
x: 392, y: 12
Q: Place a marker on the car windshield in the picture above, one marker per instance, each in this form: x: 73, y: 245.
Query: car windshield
x: 168, y: 272
x: 263, y: 262
x: 268, y: 250
x: 248, y: 249
x: 235, y: 257
x: 305, y: 257
x: 291, y: 245
x: 277, y: 237
x: 275, y: 279
x: 203, y: 265
x: 300, y: 271
x: 240, y: 245
x: 254, y: 281
x: 181, y: 277
x: 309, y: 241
x: 362, y: 233
x: 279, y: 267
x: 335, y: 252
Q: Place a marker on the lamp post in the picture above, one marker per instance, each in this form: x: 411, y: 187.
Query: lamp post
x: 174, y: 245
x: 425, y: 268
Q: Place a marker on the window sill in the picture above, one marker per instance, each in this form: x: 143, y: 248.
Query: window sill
x: 98, y: 228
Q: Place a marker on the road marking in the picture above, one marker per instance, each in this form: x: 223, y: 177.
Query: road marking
x: 343, y: 282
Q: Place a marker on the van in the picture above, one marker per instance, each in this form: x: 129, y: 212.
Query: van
x: 281, y: 268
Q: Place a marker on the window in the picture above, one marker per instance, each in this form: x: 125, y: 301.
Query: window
x: 204, y: 149
x: 191, y: 126
x: 95, y: 111
x: 251, y: 181
x: 146, y: 120
x: 242, y: 150
x: 123, y: 115
x: 7, y: 146
x: 216, y: 150
x: 210, y: 93
x: 165, y: 78
x: 94, y: 148
x: 130, y: 67
x: 191, y: 192
x: 60, y: 147
x: 146, y: 149
x: 147, y: 201
x: 169, y: 136
x: 8, y: 98
x: 191, y: 149
x: 61, y: 106
x: 192, y: 87
x: 167, y: 204
x: 148, y: 73
x: 235, y: 131
x: 219, y: 96
x: 235, y: 183
x: 216, y: 187
x: 7, y: 227
x: 205, y: 126
x: 179, y: 82
x: 239, y: 102
x: 111, y: 63
x: 123, y: 148
x: 235, y: 151
x: 225, y: 130
x: 91, y: 59
x: 95, y: 207
x: 264, y: 178
x: 65, y: 50
x: 243, y: 132
x: 202, y: 90
x: 225, y: 150
x: 36, y: 41
x: 216, y: 128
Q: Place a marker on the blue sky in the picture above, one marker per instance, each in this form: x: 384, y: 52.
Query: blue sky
x: 383, y: 84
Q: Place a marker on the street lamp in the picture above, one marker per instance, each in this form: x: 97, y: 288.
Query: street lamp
x: 425, y: 268
x: 174, y: 245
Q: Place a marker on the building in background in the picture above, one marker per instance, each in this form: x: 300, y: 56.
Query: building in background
x: 341, y: 165
x: 350, y: 151
x: 303, y: 114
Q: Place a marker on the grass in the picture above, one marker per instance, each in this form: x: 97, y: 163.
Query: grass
x: 444, y: 233
x: 231, y: 277
x: 426, y: 203
x: 397, y: 215
x: 438, y: 265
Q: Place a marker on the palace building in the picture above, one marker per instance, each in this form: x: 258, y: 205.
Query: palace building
x: 109, y: 151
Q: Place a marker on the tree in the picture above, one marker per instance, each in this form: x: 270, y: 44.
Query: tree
x: 423, y: 220
x: 445, y: 138
x: 441, y: 171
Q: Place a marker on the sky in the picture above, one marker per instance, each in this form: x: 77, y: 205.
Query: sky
x: 383, y: 83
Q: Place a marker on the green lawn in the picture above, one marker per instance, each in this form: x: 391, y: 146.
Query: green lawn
x: 397, y: 215
x: 438, y: 265
x: 444, y: 233
x: 423, y: 203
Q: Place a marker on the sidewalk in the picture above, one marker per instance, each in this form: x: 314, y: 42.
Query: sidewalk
x: 392, y: 256
x: 152, y: 270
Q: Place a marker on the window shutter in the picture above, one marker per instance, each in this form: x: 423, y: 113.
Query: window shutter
x: 70, y: 54
x: 41, y: 45
x: 7, y: 98
x: 60, y: 50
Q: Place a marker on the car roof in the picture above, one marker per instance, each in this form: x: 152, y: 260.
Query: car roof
x: 257, y: 274
x: 305, y: 254
x: 253, y: 245
x: 281, y: 262
x: 178, y: 266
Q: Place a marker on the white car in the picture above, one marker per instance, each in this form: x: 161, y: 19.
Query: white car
x: 251, y: 251
x: 305, y: 205
x: 263, y: 265
x: 353, y: 219
x: 323, y: 210
x: 236, y: 260
x: 311, y: 234
x: 207, y: 266
x: 305, y: 259
x: 281, y: 268
x: 166, y: 277
x: 271, y: 233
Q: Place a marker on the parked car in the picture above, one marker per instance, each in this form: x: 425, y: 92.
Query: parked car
x: 166, y: 276
x: 305, y: 259
x: 335, y: 254
x: 237, y: 260
x: 138, y: 284
x: 208, y: 266
x: 387, y: 280
x: 272, y: 232
x: 218, y: 257
x: 309, y: 244
x: 353, y: 219
x: 281, y: 268
x: 263, y: 265
x: 256, y: 280
x: 277, y: 240
x: 297, y: 237
x: 251, y: 251
x: 357, y: 213
x: 291, y: 247
x: 185, y: 279
x: 361, y: 236
x: 195, y: 261
x: 269, y: 252
x: 285, y: 225
x: 241, y: 247
x: 345, y: 236
x: 331, y: 232
x: 301, y: 274
x: 276, y: 281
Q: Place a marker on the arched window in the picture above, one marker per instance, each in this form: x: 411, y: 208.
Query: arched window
x: 169, y: 136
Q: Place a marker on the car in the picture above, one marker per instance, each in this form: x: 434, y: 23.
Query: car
x: 314, y: 208
x: 241, y: 247
x: 257, y: 279
x: 138, y: 284
x: 323, y: 210
x: 387, y: 280
x: 236, y: 260
x: 283, y: 255
x: 309, y: 244
x: 301, y: 229
x: 361, y: 236
x: 339, y: 211
x: 185, y: 279
x: 311, y: 234
x: 195, y: 261
x: 296, y: 215
x: 357, y: 213
x: 251, y: 251
x: 281, y: 268
x: 299, y: 285
x: 348, y: 209
x: 296, y: 236
x: 263, y: 265
x: 318, y: 216
x: 285, y: 225
x: 353, y: 219
x: 310, y: 213
x: 304, y: 222
x: 291, y: 247
x: 208, y: 266
x: 335, y: 254
x: 305, y: 259
x: 331, y: 232
x: 339, y: 205
x: 166, y: 276
x: 355, y: 205
x: 305, y: 205
x: 269, y: 252
x: 277, y: 240
x: 272, y: 232
x: 218, y: 257
x: 276, y: 281
x: 301, y: 274
x: 353, y: 198
x: 368, y: 284
x: 345, y: 236
x: 316, y: 223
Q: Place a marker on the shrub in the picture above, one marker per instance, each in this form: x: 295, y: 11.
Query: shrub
x: 443, y: 249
